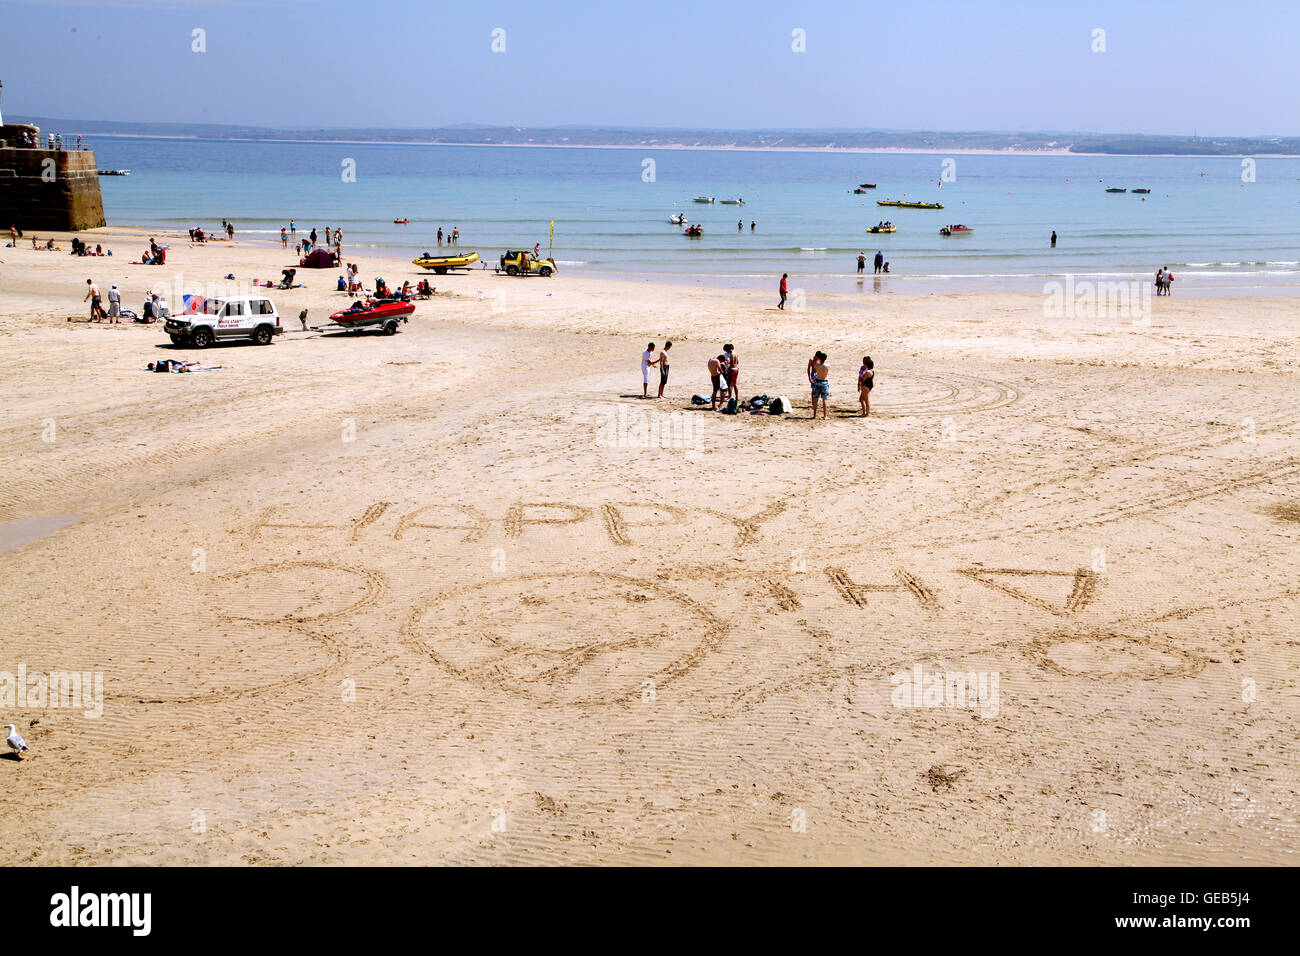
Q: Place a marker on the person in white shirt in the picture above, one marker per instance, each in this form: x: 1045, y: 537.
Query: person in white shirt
x: 115, y: 305
x: 647, y: 360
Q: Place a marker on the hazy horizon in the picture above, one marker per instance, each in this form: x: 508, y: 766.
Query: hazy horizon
x: 1160, y: 68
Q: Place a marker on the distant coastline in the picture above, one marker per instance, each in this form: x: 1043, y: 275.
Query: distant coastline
x: 846, y: 141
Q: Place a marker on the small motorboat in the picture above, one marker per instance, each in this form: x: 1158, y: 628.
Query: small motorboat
x: 732, y: 202
x: 678, y: 220
x: 955, y: 230
x: 1142, y: 190
x: 441, y: 263
x: 704, y: 199
x: 877, y: 230
x: 401, y: 222
x: 383, y: 314
x: 694, y: 232
x: 114, y: 172
x: 866, y: 185
x: 904, y: 204
x: 1116, y: 189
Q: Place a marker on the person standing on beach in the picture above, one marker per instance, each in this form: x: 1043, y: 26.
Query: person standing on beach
x: 440, y: 235
x: 663, y: 367
x: 230, y: 231
x: 880, y: 260
x: 753, y: 225
x: 740, y: 225
x: 1169, y: 282
x: 1160, y: 281
x: 817, y: 378
x: 455, y: 235
x: 311, y: 238
x: 862, y: 262
x: 784, y: 289
x: 715, y: 375
x: 293, y: 229
x: 733, y: 370
x: 866, y: 377
x: 284, y: 238
x: 647, y: 360
x: 92, y: 293
x: 115, y: 305
x: 1053, y: 238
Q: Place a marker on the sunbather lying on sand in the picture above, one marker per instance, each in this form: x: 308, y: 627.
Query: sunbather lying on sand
x: 174, y: 365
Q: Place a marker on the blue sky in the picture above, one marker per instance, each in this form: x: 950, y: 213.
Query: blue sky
x: 1168, y: 67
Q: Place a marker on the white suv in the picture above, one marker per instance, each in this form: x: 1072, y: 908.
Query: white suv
x: 226, y: 319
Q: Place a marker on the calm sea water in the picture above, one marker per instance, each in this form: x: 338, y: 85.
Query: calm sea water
x: 1217, y: 232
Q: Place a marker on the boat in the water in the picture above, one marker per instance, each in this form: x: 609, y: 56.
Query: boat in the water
x: 732, y: 202
x: 441, y: 263
x: 1141, y: 190
x: 704, y: 199
x: 955, y: 230
x: 866, y: 185
x: 878, y: 230
x: 905, y: 204
x: 1116, y: 189
x: 694, y: 232
x: 678, y: 220
x: 114, y: 172
x: 401, y: 222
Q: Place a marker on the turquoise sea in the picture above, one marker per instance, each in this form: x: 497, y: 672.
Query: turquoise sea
x: 1219, y: 226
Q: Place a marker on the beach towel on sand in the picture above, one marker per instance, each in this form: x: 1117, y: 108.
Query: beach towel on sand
x: 780, y: 406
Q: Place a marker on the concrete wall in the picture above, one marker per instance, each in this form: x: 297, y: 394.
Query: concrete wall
x: 44, y: 189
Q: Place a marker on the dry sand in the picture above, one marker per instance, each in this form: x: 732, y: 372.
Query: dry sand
x: 492, y: 629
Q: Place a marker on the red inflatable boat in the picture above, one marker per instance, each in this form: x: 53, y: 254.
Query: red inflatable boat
x: 385, y: 313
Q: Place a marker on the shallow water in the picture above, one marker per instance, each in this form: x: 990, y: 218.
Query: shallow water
x: 1215, y: 230
x: 15, y: 534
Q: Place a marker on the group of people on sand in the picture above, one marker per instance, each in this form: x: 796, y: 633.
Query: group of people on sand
x: 155, y: 255
x: 819, y: 380
x: 1164, y: 281
x: 724, y: 374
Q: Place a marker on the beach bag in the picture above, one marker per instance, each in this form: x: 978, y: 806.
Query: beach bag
x: 732, y: 407
x: 780, y: 406
x: 699, y: 400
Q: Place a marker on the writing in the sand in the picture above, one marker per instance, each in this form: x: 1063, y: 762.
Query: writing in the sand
x: 616, y: 519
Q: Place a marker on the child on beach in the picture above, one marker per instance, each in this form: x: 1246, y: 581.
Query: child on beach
x: 866, y: 374
x: 817, y: 378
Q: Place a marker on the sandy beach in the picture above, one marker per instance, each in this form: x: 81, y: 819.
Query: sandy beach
x: 460, y: 596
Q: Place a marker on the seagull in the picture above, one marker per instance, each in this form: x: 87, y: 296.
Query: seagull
x: 15, y: 742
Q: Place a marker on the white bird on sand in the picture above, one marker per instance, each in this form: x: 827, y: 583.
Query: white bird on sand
x: 15, y: 742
